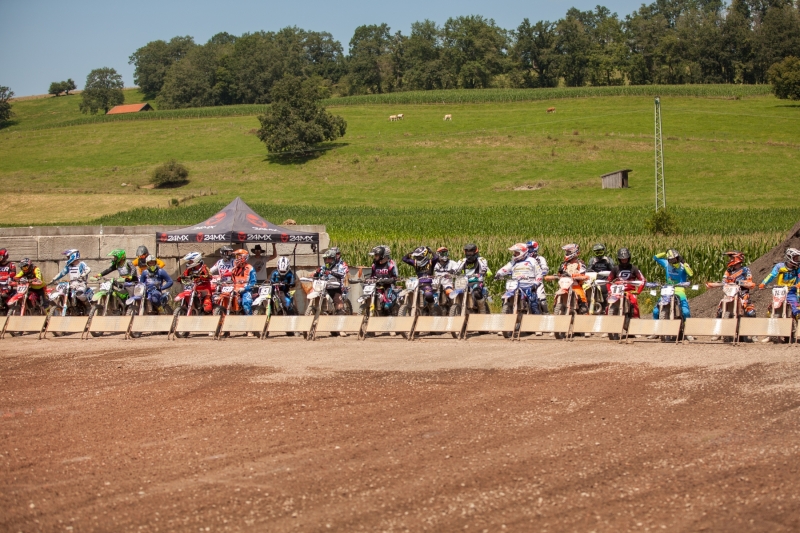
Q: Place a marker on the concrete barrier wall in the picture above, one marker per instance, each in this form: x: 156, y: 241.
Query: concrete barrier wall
x: 44, y: 244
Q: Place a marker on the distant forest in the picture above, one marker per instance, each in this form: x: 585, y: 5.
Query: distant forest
x: 666, y: 42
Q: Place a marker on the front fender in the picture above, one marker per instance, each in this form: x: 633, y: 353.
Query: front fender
x: 99, y: 296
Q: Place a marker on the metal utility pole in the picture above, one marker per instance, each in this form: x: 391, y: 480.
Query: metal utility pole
x: 661, y: 195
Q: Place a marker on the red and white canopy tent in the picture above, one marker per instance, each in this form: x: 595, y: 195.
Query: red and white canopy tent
x: 237, y: 223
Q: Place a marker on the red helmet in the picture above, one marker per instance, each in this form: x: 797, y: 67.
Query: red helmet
x: 735, y: 259
x: 3, y: 255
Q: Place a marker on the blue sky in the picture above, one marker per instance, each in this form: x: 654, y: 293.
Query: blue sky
x: 46, y: 40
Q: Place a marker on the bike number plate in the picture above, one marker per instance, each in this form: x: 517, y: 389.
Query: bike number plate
x: 512, y: 284
x: 265, y: 291
x: 369, y: 289
x: 105, y: 286
x: 227, y: 290
x: 617, y: 290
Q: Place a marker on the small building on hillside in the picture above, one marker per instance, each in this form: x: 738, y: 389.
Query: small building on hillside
x: 130, y: 108
x: 616, y: 180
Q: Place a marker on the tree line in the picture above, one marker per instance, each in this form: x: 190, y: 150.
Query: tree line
x: 665, y: 42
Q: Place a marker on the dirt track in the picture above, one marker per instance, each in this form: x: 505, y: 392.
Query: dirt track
x: 386, y: 435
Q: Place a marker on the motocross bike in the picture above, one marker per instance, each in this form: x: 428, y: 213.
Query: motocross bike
x: 69, y: 300
x: 463, y: 303
x: 109, y: 299
x: 226, y: 300
x: 411, y: 299
x: 619, y: 303
x: 24, y: 303
x: 669, y: 306
x: 515, y: 301
x: 779, y: 308
x: 565, y: 300
x: 594, y: 291
x: 732, y: 304
x: 373, y: 299
x: 140, y: 304
x: 270, y: 300
x: 189, y: 302
x: 320, y: 302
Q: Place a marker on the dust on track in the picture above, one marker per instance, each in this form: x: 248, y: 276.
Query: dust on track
x: 387, y: 435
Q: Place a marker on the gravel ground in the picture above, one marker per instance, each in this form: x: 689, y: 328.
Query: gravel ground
x: 389, y: 435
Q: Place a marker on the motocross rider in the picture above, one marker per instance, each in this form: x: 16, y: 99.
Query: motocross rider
x: 574, y: 267
x: 423, y: 260
x: 524, y: 269
x: 601, y: 263
x: 627, y: 271
x: 225, y: 263
x: 337, y: 269
x: 7, y: 272
x: 475, y: 266
x: 739, y: 274
x: 37, y: 285
x: 443, y: 266
x: 244, y: 279
x: 787, y: 274
x: 124, y: 268
x: 533, y: 251
x: 284, y: 278
x: 198, y: 272
x: 141, y: 259
x: 385, y: 272
x: 78, y: 275
x: 677, y: 272
x: 161, y: 282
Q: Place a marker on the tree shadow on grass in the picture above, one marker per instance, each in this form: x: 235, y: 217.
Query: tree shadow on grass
x: 788, y: 105
x: 8, y: 124
x: 301, y: 158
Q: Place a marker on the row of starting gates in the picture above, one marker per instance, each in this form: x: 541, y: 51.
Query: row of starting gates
x: 460, y: 327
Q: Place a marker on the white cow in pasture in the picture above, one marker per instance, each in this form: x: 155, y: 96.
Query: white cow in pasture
x: 448, y: 117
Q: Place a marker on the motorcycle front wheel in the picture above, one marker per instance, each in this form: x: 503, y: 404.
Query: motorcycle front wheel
x: 96, y: 310
x: 132, y: 312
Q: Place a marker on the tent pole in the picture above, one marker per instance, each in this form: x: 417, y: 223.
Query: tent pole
x: 294, y: 257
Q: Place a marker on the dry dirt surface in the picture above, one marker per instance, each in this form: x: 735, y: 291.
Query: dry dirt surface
x: 386, y: 435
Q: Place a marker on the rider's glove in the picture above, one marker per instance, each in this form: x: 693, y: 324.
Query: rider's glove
x: 241, y: 291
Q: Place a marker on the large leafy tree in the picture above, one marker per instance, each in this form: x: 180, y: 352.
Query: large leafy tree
x: 475, y: 50
x: 535, y: 55
x: 785, y: 78
x: 5, y: 106
x: 153, y: 60
x: 296, y: 121
x: 369, y: 52
x: 103, y: 90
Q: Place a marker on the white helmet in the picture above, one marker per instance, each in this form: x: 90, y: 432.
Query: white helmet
x: 283, y: 264
x: 193, y: 259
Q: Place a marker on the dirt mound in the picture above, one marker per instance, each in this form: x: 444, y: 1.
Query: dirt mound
x: 705, y: 305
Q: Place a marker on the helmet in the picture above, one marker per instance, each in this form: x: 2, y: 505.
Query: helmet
x: 444, y: 254
x: 3, y: 255
x: 623, y: 254
x: 283, y: 264
x: 25, y: 264
x: 381, y: 253
x: 792, y: 257
x: 673, y: 256
x: 422, y: 256
x: 533, y: 248
x: 240, y: 257
x: 520, y: 251
x: 225, y: 252
x: 142, y: 253
x: 72, y: 256
x: 735, y: 258
x: 337, y: 251
x: 152, y: 263
x: 118, y: 255
x: 471, y: 252
x: 329, y: 257
x: 571, y: 251
x: 193, y: 259
x: 599, y: 249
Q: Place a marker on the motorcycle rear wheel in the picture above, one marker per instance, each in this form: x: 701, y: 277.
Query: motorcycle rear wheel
x: 95, y: 311
x: 132, y: 312
x: 179, y: 311
x: 508, y: 308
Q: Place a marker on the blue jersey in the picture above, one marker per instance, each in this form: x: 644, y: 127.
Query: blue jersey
x: 787, y: 277
x: 675, y: 273
x: 160, y: 279
x: 287, y: 279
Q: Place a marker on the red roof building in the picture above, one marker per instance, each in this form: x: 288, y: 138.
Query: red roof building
x: 130, y: 108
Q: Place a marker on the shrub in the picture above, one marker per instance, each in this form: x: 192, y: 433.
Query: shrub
x: 663, y: 222
x: 785, y: 78
x: 170, y: 174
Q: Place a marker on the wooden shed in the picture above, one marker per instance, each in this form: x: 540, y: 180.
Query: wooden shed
x: 616, y: 180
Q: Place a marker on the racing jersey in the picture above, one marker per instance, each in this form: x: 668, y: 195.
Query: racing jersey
x: 785, y: 276
x: 742, y: 274
x: 338, y: 270
x: 141, y: 265
x: 576, y: 269
x: 159, y: 278
x: 600, y: 264
x: 34, y: 275
x: 285, y: 281
x: 542, y: 264
x: 478, y: 269
x: 244, y: 277
x: 386, y: 272
x: 126, y: 271
x: 7, y: 272
x: 77, y: 272
x: 426, y: 271
x: 679, y: 273
x: 222, y: 266
x: 628, y: 273
x: 527, y: 272
x: 199, y: 274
